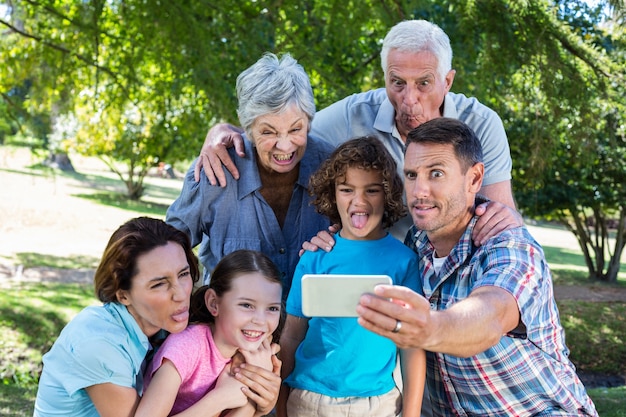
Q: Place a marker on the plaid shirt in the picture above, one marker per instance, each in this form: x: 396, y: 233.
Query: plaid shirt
x: 528, y: 372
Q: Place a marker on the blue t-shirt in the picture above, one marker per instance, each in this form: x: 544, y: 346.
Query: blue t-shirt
x: 338, y: 357
x: 102, y: 344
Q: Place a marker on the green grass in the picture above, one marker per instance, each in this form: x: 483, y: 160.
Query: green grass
x: 140, y: 208
x: 568, y: 268
x: 32, y: 260
x: 31, y: 317
x: 610, y: 402
x: 595, y: 334
x: 17, y: 401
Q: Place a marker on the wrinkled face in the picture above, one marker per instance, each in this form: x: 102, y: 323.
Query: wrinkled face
x: 440, y: 196
x: 160, y: 291
x: 247, y: 314
x: 415, y: 88
x: 360, y: 197
x: 280, y: 139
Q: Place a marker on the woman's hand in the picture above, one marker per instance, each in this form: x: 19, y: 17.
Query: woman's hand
x: 261, y: 385
x: 323, y: 240
x: 214, y: 153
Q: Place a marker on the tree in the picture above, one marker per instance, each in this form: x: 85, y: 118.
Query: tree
x: 577, y: 173
x: 137, y: 82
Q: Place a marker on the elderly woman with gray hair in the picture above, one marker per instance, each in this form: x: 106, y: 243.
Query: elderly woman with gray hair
x: 268, y: 209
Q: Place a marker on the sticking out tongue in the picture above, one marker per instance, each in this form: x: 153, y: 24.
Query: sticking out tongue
x: 359, y: 220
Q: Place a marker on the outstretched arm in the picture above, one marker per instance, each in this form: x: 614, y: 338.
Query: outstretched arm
x: 116, y: 401
x: 467, y: 328
x: 213, y: 153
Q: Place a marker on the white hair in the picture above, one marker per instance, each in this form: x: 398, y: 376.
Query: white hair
x: 271, y: 85
x: 419, y: 36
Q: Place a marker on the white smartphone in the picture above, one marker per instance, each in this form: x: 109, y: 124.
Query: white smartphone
x: 332, y: 295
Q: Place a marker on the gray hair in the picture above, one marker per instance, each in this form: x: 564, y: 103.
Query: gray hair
x: 271, y: 85
x: 419, y: 36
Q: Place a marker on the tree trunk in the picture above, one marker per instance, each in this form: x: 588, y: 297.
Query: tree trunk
x: 59, y: 161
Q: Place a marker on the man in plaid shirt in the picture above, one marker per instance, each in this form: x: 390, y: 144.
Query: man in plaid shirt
x: 488, y: 319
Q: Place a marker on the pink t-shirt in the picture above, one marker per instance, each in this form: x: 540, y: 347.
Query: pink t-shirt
x: 197, y: 360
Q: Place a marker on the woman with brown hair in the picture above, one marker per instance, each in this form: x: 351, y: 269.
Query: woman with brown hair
x: 145, y: 279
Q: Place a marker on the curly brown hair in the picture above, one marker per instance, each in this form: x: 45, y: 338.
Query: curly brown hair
x: 365, y: 152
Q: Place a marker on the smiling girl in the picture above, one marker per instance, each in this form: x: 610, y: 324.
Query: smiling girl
x: 239, y: 311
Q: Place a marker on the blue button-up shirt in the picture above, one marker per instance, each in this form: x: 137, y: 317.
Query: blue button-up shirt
x: 237, y: 216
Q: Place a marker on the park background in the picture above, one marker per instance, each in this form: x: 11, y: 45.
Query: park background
x: 95, y: 96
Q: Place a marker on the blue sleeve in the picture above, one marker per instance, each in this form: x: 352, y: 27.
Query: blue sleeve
x: 186, y: 212
x: 332, y: 124
x: 294, y: 299
x: 489, y: 129
x: 496, y: 152
x: 99, y: 361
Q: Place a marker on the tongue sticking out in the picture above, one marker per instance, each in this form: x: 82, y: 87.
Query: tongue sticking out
x: 359, y: 220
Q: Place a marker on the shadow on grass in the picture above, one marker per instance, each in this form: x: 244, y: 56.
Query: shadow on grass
x: 31, y: 260
x: 17, y: 401
x: 26, y: 335
x: 609, y: 402
x: 110, y: 190
x: 590, y: 328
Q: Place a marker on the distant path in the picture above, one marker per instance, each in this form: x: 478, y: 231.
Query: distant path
x: 10, y: 274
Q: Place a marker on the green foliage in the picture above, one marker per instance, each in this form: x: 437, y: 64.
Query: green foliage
x: 570, y: 149
x: 138, y: 83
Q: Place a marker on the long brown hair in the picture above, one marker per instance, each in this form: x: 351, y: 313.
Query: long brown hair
x: 137, y: 236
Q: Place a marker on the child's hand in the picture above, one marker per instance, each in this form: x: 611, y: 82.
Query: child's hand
x: 262, y: 357
x: 237, y: 360
x: 229, y: 387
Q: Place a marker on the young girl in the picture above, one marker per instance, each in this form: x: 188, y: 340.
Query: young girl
x: 239, y: 311
x: 333, y: 366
